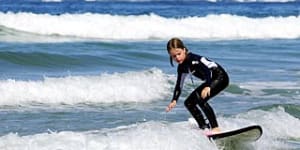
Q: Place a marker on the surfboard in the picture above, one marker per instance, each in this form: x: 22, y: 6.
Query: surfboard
x: 237, y: 139
x: 250, y: 133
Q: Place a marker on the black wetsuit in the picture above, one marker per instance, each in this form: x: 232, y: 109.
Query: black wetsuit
x: 214, y: 76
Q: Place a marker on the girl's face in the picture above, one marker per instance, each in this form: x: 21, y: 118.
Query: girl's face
x: 178, y: 54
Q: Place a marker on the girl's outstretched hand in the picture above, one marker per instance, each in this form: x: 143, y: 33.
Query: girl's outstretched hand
x: 171, y: 106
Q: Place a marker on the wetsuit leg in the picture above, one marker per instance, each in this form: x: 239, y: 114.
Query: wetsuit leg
x: 191, y: 104
x: 216, y: 87
x: 210, y: 114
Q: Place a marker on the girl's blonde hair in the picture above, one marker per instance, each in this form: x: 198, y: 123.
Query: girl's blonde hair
x: 173, y: 44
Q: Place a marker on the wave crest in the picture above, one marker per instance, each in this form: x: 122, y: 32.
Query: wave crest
x: 143, y: 86
x: 141, y: 27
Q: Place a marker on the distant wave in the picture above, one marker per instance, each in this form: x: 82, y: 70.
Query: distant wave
x: 38, y: 59
x: 292, y: 109
x: 13, y: 35
x: 142, y: 27
x: 68, y: 60
x: 48, y: 60
x: 285, y: 90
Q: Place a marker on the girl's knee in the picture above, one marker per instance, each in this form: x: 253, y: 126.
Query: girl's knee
x: 188, y: 103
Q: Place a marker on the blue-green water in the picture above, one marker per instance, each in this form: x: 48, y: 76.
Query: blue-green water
x: 96, y: 75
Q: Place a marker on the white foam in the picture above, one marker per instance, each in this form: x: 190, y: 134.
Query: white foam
x: 117, y: 27
x: 143, y: 86
x: 278, y: 127
x: 271, y: 84
x: 286, y: 91
x: 257, y: 88
x: 146, y: 136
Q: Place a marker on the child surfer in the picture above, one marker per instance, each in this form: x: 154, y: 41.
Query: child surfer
x: 215, y: 80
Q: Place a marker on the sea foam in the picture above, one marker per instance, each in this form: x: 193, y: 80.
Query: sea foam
x: 152, y: 26
x: 143, y: 86
x: 160, y: 135
x: 146, y: 136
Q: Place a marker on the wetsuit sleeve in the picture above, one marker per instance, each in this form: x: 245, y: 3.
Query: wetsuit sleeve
x: 179, y: 84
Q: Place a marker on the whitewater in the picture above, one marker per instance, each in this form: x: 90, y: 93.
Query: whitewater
x: 159, y: 135
x: 153, y: 26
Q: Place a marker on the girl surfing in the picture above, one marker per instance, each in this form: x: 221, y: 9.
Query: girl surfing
x: 215, y: 80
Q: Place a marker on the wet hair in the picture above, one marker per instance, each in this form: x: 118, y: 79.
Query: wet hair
x: 173, y: 44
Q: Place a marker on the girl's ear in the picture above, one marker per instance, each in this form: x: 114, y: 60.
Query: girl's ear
x: 186, y: 50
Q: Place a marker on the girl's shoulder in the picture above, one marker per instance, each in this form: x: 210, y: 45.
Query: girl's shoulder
x: 194, y: 56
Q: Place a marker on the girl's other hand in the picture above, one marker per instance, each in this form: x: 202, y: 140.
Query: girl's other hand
x: 205, y: 92
x: 171, y: 106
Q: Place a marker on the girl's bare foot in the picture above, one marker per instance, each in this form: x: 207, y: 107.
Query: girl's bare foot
x: 215, y: 130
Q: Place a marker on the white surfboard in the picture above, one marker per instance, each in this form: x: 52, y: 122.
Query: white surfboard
x: 237, y: 139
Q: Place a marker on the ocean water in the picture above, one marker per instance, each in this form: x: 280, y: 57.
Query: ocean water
x: 95, y: 74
